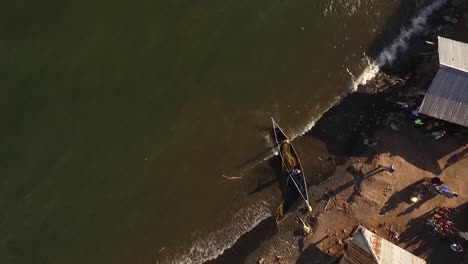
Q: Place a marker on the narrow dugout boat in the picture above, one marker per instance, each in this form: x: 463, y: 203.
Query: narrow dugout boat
x: 293, y: 173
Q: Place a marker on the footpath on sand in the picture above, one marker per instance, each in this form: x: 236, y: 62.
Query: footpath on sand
x: 364, y: 194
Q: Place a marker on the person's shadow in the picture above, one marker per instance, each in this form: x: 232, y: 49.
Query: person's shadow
x: 359, y: 177
x: 456, y: 157
x: 424, y: 199
x: 398, y: 197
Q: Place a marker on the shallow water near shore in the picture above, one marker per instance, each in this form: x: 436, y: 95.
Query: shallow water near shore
x: 120, y: 118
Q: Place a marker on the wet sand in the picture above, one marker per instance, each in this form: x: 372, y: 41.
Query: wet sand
x: 346, y: 175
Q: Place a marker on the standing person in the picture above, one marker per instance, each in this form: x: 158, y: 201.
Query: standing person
x: 391, y: 169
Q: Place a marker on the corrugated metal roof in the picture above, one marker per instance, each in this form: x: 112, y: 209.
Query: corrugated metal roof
x: 453, y: 54
x: 447, y: 97
x: 360, y: 241
x: 380, y: 251
x: 387, y: 252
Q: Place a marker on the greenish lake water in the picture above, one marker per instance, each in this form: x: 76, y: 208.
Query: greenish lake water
x: 119, y: 118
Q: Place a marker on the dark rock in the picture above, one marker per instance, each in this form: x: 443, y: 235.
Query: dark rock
x: 458, y: 3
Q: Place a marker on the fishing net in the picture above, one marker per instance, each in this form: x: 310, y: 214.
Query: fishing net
x: 289, y: 159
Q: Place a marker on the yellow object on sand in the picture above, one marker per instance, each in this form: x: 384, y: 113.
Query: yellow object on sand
x: 305, y: 226
x: 309, y: 208
x: 414, y: 199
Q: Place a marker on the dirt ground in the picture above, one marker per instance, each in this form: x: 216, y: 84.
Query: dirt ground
x: 379, y: 200
x: 359, y: 191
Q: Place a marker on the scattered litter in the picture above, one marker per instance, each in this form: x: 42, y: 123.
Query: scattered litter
x: 326, y: 206
x: 305, y: 227
x: 438, y: 134
x: 231, y: 178
x: 447, y: 18
x: 393, y: 126
x: 394, y: 234
x: 463, y: 235
x: 402, y: 104
x: 456, y: 247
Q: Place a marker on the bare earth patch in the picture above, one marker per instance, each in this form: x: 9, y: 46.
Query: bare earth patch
x: 367, y: 194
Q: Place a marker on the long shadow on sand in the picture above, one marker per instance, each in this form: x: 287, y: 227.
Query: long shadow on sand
x: 399, y: 197
x: 359, y: 177
x: 418, y: 237
x: 342, y: 129
x: 456, y: 157
x: 417, y: 205
x: 313, y: 255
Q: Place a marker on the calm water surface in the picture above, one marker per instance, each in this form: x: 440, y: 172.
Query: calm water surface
x: 119, y: 117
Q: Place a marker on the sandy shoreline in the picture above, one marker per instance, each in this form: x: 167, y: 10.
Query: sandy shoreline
x: 341, y: 172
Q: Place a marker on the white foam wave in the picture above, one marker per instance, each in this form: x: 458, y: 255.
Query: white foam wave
x: 386, y: 57
x: 246, y: 219
x: 398, y: 46
x: 214, y: 244
x: 309, y: 126
x: 368, y: 74
x: 268, y: 139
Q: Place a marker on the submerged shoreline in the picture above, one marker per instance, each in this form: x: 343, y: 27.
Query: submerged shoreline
x: 344, y: 141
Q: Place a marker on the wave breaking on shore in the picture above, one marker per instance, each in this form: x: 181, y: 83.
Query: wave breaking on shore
x: 389, y: 54
x: 386, y: 57
x: 214, y: 244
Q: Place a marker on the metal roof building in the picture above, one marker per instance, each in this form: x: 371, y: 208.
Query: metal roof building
x: 447, y: 97
x: 369, y: 248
